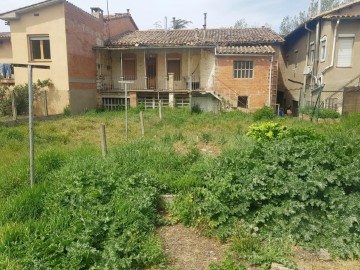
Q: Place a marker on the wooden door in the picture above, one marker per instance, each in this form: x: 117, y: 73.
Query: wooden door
x: 151, y: 71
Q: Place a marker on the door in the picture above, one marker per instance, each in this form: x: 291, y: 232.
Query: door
x: 151, y: 71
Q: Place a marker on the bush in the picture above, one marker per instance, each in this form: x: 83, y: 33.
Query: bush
x: 21, y: 92
x: 266, y: 131
x: 323, y: 113
x: 265, y: 113
x: 196, y: 109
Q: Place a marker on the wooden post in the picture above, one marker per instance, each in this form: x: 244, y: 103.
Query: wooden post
x: 45, y: 104
x: 142, y: 124
x: 13, y: 106
x: 160, y: 109
x: 103, y: 140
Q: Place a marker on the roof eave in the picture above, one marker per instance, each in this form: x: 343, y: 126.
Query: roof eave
x: 15, y: 14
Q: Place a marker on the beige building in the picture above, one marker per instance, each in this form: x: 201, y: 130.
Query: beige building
x: 324, y: 51
x: 234, y: 68
x: 60, y: 35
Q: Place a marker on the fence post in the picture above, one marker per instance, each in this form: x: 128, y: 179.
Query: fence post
x: 103, y: 140
x: 160, y: 109
x: 13, y: 106
x: 142, y: 124
x: 45, y: 104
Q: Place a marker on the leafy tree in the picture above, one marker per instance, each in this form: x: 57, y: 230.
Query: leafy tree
x: 289, y: 23
x: 180, y: 23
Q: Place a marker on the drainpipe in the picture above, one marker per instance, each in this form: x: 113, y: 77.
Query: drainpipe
x: 303, y: 90
x: 270, y: 79
x: 317, y: 42
x: 333, y: 49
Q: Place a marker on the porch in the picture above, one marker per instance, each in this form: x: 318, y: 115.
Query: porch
x: 157, y: 69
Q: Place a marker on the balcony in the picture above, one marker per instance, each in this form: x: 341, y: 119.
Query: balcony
x: 169, y: 83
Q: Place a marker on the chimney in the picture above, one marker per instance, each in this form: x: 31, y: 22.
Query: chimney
x: 97, y: 13
x: 204, y: 21
x: 128, y: 11
x: 174, y: 22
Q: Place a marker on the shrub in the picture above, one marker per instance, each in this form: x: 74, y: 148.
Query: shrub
x: 265, y: 131
x: 265, y: 113
x: 196, y: 109
x: 323, y: 113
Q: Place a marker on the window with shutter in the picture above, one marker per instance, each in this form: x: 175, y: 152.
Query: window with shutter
x: 345, y: 51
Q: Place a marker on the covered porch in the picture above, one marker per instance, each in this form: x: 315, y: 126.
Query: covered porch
x: 155, y: 69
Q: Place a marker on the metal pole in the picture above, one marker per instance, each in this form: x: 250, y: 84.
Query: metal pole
x: 31, y: 127
x: 126, y: 113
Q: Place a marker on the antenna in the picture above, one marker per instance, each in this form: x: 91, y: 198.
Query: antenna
x: 108, y: 20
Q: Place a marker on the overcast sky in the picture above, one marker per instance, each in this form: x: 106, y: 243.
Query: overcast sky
x: 221, y: 13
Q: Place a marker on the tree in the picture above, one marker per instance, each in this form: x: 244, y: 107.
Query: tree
x: 180, y: 23
x: 289, y: 23
x: 241, y: 23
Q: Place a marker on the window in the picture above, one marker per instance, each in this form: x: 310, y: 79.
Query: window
x: 312, y: 53
x: 242, y: 102
x: 114, y: 104
x: 243, y: 69
x: 129, y: 67
x: 39, y: 48
x: 323, y: 44
x: 345, y: 50
x: 173, y: 66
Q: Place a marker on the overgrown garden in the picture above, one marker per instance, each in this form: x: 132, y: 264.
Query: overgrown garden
x: 277, y: 183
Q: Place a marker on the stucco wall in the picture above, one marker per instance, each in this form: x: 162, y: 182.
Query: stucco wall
x: 5, y: 51
x: 333, y: 77
x: 48, y: 21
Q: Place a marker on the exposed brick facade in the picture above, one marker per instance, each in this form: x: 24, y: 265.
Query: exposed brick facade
x: 83, y: 33
x: 256, y: 88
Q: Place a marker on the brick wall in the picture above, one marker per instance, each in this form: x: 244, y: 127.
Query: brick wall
x: 83, y: 32
x: 256, y: 88
x: 121, y: 25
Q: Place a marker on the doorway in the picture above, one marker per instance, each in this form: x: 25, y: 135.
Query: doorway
x: 151, y: 71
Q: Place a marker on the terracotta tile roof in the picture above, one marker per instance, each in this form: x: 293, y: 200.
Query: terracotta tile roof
x: 342, y: 16
x: 197, y: 37
x: 265, y: 49
x: 5, y: 35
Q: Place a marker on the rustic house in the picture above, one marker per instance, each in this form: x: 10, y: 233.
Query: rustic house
x: 58, y: 34
x: 320, y: 61
x: 238, y: 67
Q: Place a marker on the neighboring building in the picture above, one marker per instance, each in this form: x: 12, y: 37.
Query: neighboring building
x: 58, y: 34
x: 6, y: 74
x: 322, y: 51
x: 237, y: 66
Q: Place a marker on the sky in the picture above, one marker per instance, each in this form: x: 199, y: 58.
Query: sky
x: 220, y: 13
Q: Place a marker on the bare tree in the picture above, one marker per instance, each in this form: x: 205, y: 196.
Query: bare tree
x: 289, y: 23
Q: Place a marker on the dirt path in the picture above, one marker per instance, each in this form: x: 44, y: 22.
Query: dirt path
x: 187, y: 250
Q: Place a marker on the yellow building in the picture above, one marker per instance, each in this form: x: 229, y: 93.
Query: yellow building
x: 60, y: 35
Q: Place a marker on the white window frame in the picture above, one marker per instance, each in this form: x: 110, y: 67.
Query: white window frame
x: 312, y: 53
x: 323, y: 49
x: 246, y: 72
x: 350, y: 37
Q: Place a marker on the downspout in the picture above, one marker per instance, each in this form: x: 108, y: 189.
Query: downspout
x: 270, y: 78
x: 333, y: 49
x: 302, y: 92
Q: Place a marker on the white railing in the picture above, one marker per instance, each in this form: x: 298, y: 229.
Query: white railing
x: 162, y: 83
